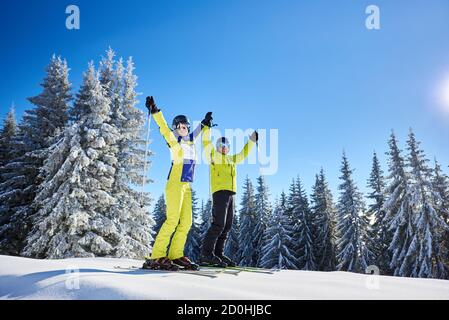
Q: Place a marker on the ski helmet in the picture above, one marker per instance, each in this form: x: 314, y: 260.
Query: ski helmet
x: 180, y: 119
x: 222, y: 142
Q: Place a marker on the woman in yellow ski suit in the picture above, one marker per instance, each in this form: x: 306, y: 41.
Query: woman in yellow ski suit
x: 178, y: 192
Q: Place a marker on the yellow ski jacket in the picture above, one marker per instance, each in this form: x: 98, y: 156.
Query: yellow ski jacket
x: 223, y: 173
x: 182, y: 151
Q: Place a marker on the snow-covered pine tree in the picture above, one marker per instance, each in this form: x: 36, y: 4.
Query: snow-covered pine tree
x: 7, y: 133
x: 324, y: 212
x: 52, y: 104
x: 423, y: 251
x: 304, y: 229
x: 193, y: 243
x: 397, y: 207
x: 131, y: 209
x: 232, y: 243
x: 277, y: 251
x: 247, y: 225
x: 352, y: 225
x: 292, y: 200
x: 159, y: 214
x: 112, y: 79
x: 206, y: 218
x: 130, y: 122
x: 108, y: 76
x: 15, y: 194
x: 37, y: 131
x: 74, y: 202
x: 379, y: 234
x: 440, y: 184
x: 262, y: 212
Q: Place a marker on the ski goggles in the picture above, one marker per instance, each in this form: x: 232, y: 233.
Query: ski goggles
x: 223, y: 143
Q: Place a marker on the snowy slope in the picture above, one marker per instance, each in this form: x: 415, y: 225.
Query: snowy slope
x: 22, y: 278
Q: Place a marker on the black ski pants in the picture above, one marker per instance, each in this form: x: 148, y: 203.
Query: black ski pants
x: 222, y: 217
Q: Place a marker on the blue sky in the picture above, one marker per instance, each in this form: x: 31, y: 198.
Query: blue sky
x: 307, y: 68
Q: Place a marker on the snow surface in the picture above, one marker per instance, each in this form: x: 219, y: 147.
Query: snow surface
x: 22, y: 278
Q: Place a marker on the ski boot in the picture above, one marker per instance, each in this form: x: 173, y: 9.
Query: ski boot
x: 184, y: 263
x: 227, y: 260
x: 212, y: 261
x: 160, y: 264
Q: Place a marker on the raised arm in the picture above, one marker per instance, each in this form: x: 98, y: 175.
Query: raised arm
x: 196, y: 132
x: 160, y: 121
x: 208, y: 148
x: 241, y: 156
x: 164, y: 129
x: 206, y: 122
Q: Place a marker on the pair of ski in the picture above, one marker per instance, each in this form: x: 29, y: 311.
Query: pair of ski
x: 205, y: 271
x: 241, y: 269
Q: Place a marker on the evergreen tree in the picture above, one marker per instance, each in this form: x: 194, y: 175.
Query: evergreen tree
x: 324, y: 213
x: 39, y: 128
x: 16, y: 194
x: 130, y: 123
x: 262, y: 214
x: 398, y: 214
x: 292, y: 201
x: 120, y: 89
x: 379, y: 234
x: 206, y: 219
x: 423, y: 251
x: 277, y: 251
x: 440, y: 184
x: 108, y: 76
x: 247, y: 217
x: 193, y: 243
x: 50, y: 116
x: 352, y: 225
x: 304, y: 229
x: 159, y: 214
x: 74, y: 203
x: 232, y: 244
x: 131, y: 209
x: 7, y: 134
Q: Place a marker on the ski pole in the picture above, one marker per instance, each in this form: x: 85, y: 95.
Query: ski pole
x: 210, y: 163
x: 258, y: 153
x: 145, y: 158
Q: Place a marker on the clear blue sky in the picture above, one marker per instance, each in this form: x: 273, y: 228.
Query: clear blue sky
x: 308, y: 68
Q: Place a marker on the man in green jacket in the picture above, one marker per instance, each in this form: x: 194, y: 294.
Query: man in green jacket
x: 223, y: 179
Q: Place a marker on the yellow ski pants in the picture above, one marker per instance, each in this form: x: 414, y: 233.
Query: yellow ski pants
x: 178, y: 196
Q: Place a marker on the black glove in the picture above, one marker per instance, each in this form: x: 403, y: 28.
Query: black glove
x: 255, y: 136
x: 207, y: 121
x: 151, y: 105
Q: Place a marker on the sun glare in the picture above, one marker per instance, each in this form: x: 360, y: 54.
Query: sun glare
x: 445, y: 95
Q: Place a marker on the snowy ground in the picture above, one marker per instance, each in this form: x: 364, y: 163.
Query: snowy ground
x: 22, y: 278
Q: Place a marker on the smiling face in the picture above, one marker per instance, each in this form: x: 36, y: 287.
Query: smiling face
x: 182, y: 129
x: 222, y: 146
x: 223, y: 149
